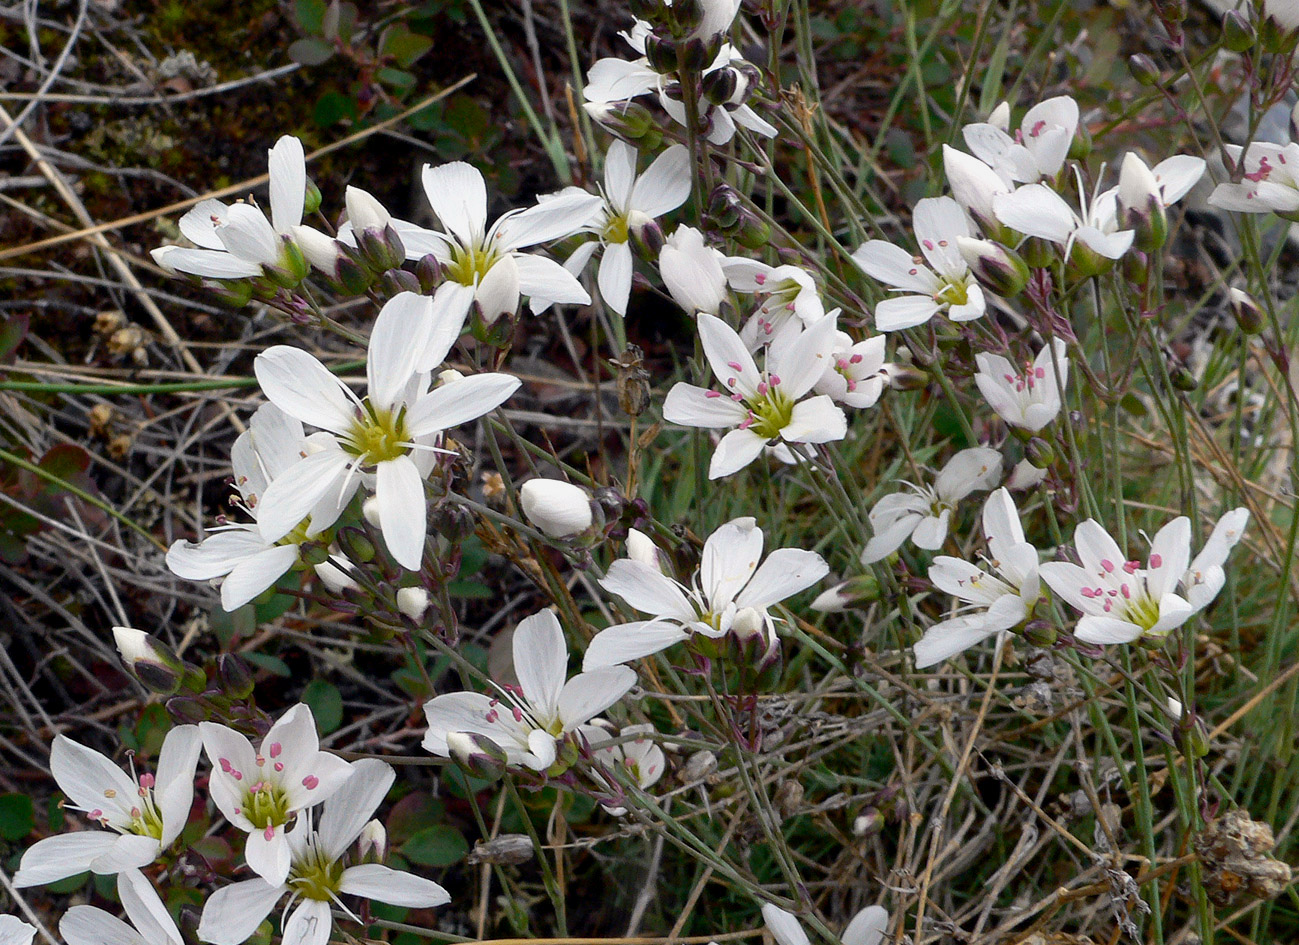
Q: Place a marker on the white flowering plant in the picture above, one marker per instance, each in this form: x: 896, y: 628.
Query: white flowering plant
x: 762, y: 517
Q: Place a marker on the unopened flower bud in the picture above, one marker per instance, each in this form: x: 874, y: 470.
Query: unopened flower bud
x: 311, y: 199
x: 1249, y: 316
x: 719, y: 85
x: 999, y: 117
x: 413, y: 602
x: 700, y: 766
x: 396, y: 281
x: 477, y: 754
x: 236, y: 677
x: 429, y: 273
x: 509, y: 849
x: 352, y: 276
x: 1001, y: 270
x: 319, y: 250
x: 902, y: 377
x: 1040, y: 633
x: 291, y: 268
x: 1174, y: 11
x: 686, y: 16
x: 453, y: 521
x: 151, y: 662
x: 560, y: 509
x: 365, y: 213
x: 187, y: 710
x: 661, y: 54
x: 647, y: 239
x: 1024, y: 476
x: 1183, y: 379
x: 695, y: 53
x: 370, y: 511
x: 1039, y: 452
x: 851, y: 593
x: 629, y: 120
x: 868, y: 822
x: 231, y: 293
x: 1084, y: 262
x: 356, y: 545
x: 334, y: 575
x: 648, y: 10
x: 373, y: 842
x: 1141, y: 205
x: 1238, y: 34
x: 1144, y: 70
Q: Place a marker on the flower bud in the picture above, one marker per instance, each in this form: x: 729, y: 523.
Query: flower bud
x: 356, y: 545
x: 429, y: 273
x: 370, y: 511
x: 1238, y: 34
x: 701, y: 766
x: 364, y: 212
x: 1039, y: 453
x: 352, y: 276
x: 396, y: 281
x: 647, y: 238
x: 373, y: 842
x: 1183, y: 379
x: 1249, y: 316
x: 720, y: 85
x: 629, y: 120
x: 661, y: 54
x: 686, y: 16
x: 188, y: 710
x: 311, y: 199
x: 231, y: 293
x: 847, y: 595
x: 1001, y: 270
x: 902, y: 377
x: 453, y: 521
x: 1141, y: 205
x: 649, y: 10
x: 154, y: 664
x: 692, y: 272
x: 478, y: 755
x: 291, y: 268
x: 319, y: 250
x: 381, y: 249
x: 1024, y: 476
x: 413, y: 602
x: 560, y: 509
x: 1040, y: 633
x: 868, y: 822
x: 1084, y: 262
x: 236, y: 677
x: 1174, y: 11
x: 1144, y: 70
x: 333, y: 573
x: 999, y: 117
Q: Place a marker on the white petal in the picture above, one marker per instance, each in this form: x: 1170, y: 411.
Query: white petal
x: 931, y: 531
x: 804, y: 357
x: 1094, y: 628
x: 129, y: 851
x: 399, y: 493
x: 619, y: 174
x: 630, y: 641
x: 696, y: 407
x: 91, y: 781
x: 250, y: 577
x: 61, y: 856
x: 374, y: 881
x: 586, y: 695
x: 458, y: 195
x: 1096, y: 549
x: 728, y: 356
x: 867, y: 927
x: 894, y: 266
x: 735, y: 451
x: 784, y: 573
x: 291, y: 497
x: 1036, y: 210
x: 541, y: 660
x: 938, y: 221
x: 552, y: 219
x: 87, y: 925
x: 174, y: 778
x: 1001, y: 519
x: 200, y: 223
x: 303, y: 388
x: 783, y: 926
x: 288, y: 173
x: 542, y: 278
x: 1177, y: 175
x: 145, y: 909
x: 210, y: 264
x: 248, y: 235
x: 352, y: 805
x: 498, y: 292
x: 1171, y: 548
x: 614, y: 277
x: 665, y: 185
x: 309, y: 924
x: 729, y: 560
x: 647, y: 589
x: 268, y: 858
x: 944, y: 640
x: 904, y: 311
x: 970, y: 470
x: 816, y: 420
x: 460, y: 401
x: 398, y: 341
x: 541, y: 750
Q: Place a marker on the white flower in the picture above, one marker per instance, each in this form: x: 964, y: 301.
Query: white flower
x: 413, y: 602
x: 261, y: 790
x: 1024, y: 476
x: 560, y: 509
x: 866, y: 928
x: 1038, y: 149
x: 692, y: 271
x: 1145, y: 194
x: 730, y: 589
x: 945, y: 285
x: 151, y: 923
x: 857, y: 374
x: 630, y: 203
x: 788, y: 294
x: 389, y: 435
x: 763, y: 407
x: 484, y: 264
x: 1269, y: 181
x: 998, y: 595
x: 14, y: 931
x: 1029, y: 399
x: 143, y: 815
x: 240, y: 554
x: 528, y: 723
x: 1205, y: 577
x: 1120, y: 600
x: 236, y: 241
x: 923, y: 514
x: 641, y: 758
x: 317, y: 876
x: 1037, y: 210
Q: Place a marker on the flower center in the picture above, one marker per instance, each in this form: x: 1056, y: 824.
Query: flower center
x: 770, y: 412
x: 953, y: 293
x: 377, y: 435
x: 265, y: 805
x: 616, y: 230
x: 469, y: 264
x: 315, y: 876
x: 146, y: 821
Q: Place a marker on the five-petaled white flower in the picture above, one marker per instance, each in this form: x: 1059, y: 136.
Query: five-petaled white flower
x: 151, y: 923
x: 787, y: 299
x: 945, y: 285
x: 239, y: 553
x: 1269, y: 180
x: 641, y: 758
x: 766, y: 407
x: 390, y: 434
x: 857, y: 373
x: 143, y: 814
x: 318, y: 875
x: 484, y: 264
x: 1120, y: 600
x: 1029, y: 398
x: 923, y: 514
x: 236, y: 241
x: 998, y: 594
x: 529, y: 722
x: 731, y: 592
x: 1039, y: 147
x: 693, y: 272
x: 260, y: 790
x: 630, y: 204
x: 1037, y: 210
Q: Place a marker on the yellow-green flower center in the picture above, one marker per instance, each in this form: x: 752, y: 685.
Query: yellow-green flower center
x: 265, y: 805
x: 953, y: 293
x: 469, y: 265
x: 377, y: 435
x: 315, y: 876
x: 147, y: 822
x: 1143, y: 611
x: 616, y: 229
x: 770, y: 413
